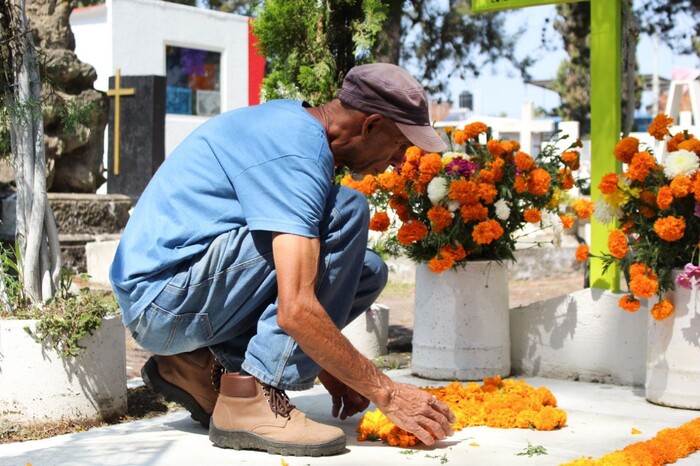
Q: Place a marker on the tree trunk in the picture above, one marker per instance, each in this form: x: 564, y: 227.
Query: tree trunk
x: 388, y: 46
x: 39, y: 252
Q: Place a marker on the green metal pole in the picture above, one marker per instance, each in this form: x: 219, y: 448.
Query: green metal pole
x: 606, y: 60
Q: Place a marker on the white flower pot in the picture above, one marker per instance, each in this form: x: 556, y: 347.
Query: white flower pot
x: 461, y: 327
x: 369, y: 333
x: 673, y: 353
x: 37, y: 384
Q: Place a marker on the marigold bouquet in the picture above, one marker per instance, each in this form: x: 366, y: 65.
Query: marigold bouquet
x: 469, y: 202
x: 655, y: 212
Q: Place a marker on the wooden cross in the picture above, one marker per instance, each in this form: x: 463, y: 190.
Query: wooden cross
x: 117, y: 92
x: 606, y: 60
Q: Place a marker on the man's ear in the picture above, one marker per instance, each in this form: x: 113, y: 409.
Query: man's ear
x: 371, y: 123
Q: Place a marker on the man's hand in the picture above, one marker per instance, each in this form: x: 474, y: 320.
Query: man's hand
x: 418, y: 412
x: 344, y: 397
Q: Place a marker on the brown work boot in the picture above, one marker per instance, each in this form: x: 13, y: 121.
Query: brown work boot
x: 189, y: 379
x: 250, y: 415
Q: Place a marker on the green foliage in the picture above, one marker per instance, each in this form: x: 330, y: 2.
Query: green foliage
x: 66, y: 319
x: 533, y: 450
x: 310, y: 45
x: 677, y: 23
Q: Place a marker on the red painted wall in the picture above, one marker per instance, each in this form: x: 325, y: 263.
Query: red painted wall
x: 256, y: 67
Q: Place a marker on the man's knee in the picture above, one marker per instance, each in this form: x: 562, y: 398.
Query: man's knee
x: 376, y: 270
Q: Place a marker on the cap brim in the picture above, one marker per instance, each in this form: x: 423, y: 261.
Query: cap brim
x: 424, y: 137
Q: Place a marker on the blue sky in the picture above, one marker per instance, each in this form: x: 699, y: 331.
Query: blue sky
x: 502, y: 91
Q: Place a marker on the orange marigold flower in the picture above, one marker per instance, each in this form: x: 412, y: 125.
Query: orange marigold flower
x: 464, y: 191
x: 457, y: 252
x: 391, y: 181
x: 670, y: 228
x: 400, y: 207
x: 487, y: 232
x: 617, y: 244
x: 486, y: 176
x: 641, y: 165
x: 681, y: 186
x: 440, y: 263
x: 672, y: 144
x: 572, y: 159
x: 696, y: 186
x: 380, y: 222
x: 366, y: 185
x: 583, y: 208
x: 627, y: 227
x: 582, y: 253
x: 494, y: 146
x: 664, y: 197
x: 459, y: 137
x: 523, y: 161
x: 430, y: 165
x: 532, y: 215
x: 608, y: 184
x: 409, y: 171
x: 472, y: 130
x: 411, y: 232
x: 566, y: 178
x: 520, y: 184
x: 639, y: 268
x: 440, y: 218
x: 692, y: 145
x: 487, y: 192
x: 414, y: 154
x: 472, y: 212
x: 509, y: 146
x: 659, y: 127
x: 629, y: 303
x: 643, y: 285
x: 497, y: 169
x: 626, y: 148
x: 538, y: 182
x: 567, y: 221
x: 662, y: 309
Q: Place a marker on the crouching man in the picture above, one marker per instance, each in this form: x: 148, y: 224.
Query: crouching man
x: 242, y: 252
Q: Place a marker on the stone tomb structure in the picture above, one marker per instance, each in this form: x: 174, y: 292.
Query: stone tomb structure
x: 208, y: 57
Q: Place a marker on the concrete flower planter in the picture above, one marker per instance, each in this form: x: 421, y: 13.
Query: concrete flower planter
x: 38, y: 385
x: 673, y: 353
x: 369, y: 333
x: 461, y: 322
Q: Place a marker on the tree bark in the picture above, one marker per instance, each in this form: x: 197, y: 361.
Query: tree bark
x: 37, y: 236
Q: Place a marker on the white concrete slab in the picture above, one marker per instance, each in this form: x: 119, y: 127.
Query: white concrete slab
x: 600, y: 420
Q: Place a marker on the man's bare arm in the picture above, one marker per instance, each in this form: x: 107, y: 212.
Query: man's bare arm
x: 302, y: 317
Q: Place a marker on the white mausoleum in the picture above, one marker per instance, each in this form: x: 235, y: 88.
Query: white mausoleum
x: 208, y: 57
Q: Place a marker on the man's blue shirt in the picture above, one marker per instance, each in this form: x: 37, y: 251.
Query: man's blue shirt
x: 267, y: 167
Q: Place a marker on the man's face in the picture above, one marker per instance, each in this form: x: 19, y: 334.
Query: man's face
x: 383, y: 144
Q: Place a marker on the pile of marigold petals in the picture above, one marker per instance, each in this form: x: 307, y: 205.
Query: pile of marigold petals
x: 496, y: 403
x: 668, y: 446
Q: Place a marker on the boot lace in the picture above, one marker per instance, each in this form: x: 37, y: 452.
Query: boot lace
x: 216, y: 370
x: 278, y: 401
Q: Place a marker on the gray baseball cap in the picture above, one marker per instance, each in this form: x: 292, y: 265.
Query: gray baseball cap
x: 392, y: 92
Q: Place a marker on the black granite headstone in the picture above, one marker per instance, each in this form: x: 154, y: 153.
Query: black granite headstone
x: 142, y: 134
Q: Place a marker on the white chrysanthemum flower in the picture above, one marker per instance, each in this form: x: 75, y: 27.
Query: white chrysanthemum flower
x: 680, y: 162
x: 552, y: 219
x: 502, y: 209
x: 437, y: 189
x: 452, y: 205
x: 605, y: 213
